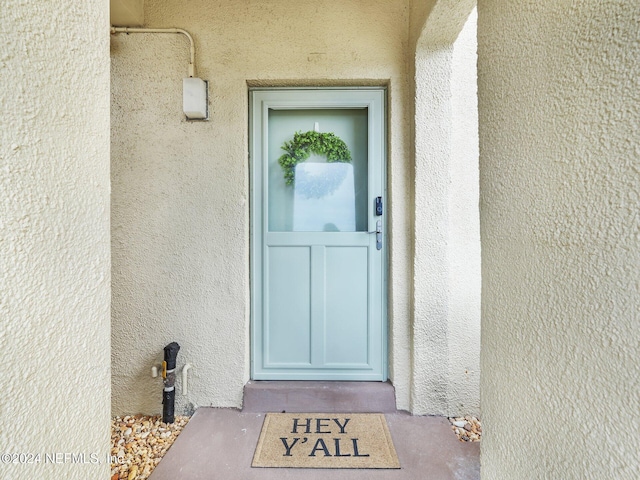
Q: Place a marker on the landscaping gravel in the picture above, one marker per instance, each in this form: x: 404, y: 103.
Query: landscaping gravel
x: 138, y: 442
x: 467, y: 429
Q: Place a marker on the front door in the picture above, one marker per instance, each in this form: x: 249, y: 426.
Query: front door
x: 318, y: 234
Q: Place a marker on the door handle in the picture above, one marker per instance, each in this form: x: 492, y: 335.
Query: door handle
x: 378, y: 232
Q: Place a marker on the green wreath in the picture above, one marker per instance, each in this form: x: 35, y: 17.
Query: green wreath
x: 304, y: 144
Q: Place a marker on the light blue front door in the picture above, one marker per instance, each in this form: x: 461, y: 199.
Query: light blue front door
x: 318, y: 240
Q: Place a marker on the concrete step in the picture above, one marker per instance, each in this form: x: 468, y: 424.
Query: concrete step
x: 320, y: 397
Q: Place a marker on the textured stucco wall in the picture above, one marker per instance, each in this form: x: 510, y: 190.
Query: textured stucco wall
x: 559, y: 101
x: 180, y: 190
x: 463, y: 242
x: 419, y: 11
x: 54, y: 238
x: 446, y: 319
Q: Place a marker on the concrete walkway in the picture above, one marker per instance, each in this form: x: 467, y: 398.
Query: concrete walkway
x: 219, y: 444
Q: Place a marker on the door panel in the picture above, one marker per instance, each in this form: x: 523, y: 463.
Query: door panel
x: 318, y: 278
x: 288, y: 323
x: 347, y: 305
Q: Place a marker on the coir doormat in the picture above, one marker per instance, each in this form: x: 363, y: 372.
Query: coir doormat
x: 325, y: 440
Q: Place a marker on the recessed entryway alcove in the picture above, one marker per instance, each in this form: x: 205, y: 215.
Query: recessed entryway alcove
x: 181, y: 193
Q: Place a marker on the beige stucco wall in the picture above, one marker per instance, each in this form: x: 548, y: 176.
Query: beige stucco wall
x: 463, y: 243
x: 54, y: 238
x: 559, y: 96
x: 446, y: 324
x: 180, y: 190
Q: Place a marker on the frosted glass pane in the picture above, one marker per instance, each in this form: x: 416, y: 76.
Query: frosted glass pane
x: 325, y: 197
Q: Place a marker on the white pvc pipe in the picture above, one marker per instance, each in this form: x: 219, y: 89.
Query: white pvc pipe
x: 185, y: 369
x: 192, y: 47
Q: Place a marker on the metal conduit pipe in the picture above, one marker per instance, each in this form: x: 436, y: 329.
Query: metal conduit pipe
x: 192, y: 47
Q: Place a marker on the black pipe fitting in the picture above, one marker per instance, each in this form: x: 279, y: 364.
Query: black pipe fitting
x: 169, y: 381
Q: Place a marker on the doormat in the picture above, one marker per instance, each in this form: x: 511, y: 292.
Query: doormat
x: 325, y: 440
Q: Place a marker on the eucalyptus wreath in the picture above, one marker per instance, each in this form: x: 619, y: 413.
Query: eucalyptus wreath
x: 304, y: 144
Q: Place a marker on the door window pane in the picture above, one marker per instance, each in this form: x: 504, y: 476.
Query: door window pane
x: 325, y: 196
